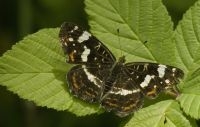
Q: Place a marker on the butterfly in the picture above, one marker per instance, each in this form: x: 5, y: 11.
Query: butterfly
x: 98, y: 77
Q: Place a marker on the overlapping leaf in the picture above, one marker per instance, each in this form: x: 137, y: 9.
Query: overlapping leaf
x: 187, y: 37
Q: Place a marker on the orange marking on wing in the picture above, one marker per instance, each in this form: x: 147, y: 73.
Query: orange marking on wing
x: 131, y: 106
x: 74, y: 82
x: 107, y: 102
x: 152, y: 92
x: 89, y: 94
x: 71, y: 56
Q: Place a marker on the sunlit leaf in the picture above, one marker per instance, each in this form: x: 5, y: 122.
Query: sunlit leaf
x: 187, y: 37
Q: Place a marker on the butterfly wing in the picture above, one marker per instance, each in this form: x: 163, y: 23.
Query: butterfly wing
x: 80, y: 46
x: 124, y: 97
x: 87, y: 82
x: 154, y: 78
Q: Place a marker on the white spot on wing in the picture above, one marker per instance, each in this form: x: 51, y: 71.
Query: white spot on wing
x: 146, y: 81
x: 76, y: 27
x: 65, y: 43
x: 71, y: 39
x: 91, y: 77
x: 85, y: 53
x: 173, y: 69
x: 167, y: 81
x: 161, y: 70
x: 85, y: 36
x: 125, y: 92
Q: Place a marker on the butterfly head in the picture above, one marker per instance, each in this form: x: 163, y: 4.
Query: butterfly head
x: 122, y: 59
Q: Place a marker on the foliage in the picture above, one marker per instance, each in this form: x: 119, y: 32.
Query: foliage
x: 35, y: 68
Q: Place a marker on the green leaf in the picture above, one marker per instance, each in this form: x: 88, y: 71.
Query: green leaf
x: 187, y: 37
x: 138, y: 21
x: 190, y: 104
x: 163, y: 114
x: 35, y: 69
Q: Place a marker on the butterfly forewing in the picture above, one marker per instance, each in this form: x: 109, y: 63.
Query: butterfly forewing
x: 154, y: 78
x: 81, y: 47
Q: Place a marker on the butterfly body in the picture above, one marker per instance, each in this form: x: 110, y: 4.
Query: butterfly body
x: 99, y: 78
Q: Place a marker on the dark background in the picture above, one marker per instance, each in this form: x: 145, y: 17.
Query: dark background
x: 19, y: 18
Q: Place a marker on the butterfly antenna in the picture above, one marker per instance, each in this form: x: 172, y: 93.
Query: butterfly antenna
x: 119, y: 41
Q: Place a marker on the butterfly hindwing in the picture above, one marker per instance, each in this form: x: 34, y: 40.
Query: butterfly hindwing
x: 124, y: 97
x: 83, y: 84
x: 87, y: 81
x: 82, y: 47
